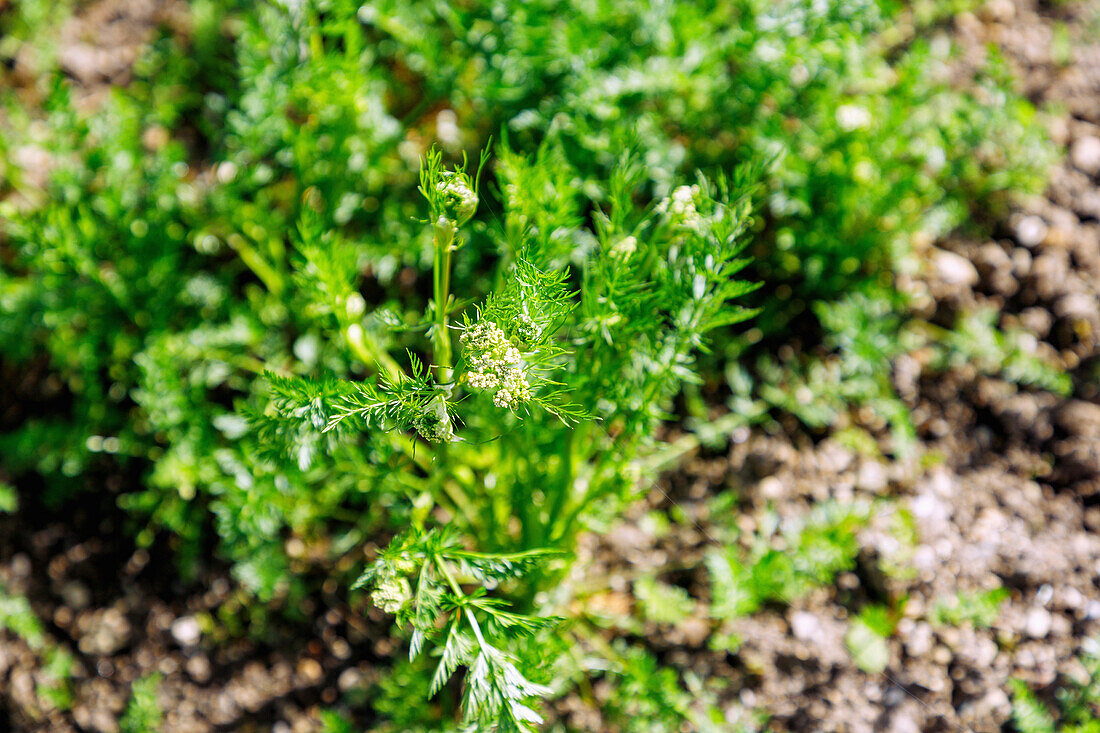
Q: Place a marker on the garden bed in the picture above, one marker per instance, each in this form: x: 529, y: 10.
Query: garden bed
x: 1002, y: 491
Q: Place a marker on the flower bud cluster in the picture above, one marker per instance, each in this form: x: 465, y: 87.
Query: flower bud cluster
x: 527, y: 329
x: 391, y: 589
x: 624, y: 247
x: 512, y: 198
x: 392, y: 593
x: 434, y: 423
x: 495, y: 365
x: 679, y: 208
x: 514, y: 204
x: 458, y: 199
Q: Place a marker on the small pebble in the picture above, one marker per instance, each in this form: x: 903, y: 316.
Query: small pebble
x: 20, y: 566
x: 1031, y: 231
x: 871, y: 477
x: 1038, y: 622
x: 199, y: 668
x: 1085, y: 154
x: 902, y: 723
x: 694, y: 631
x: 1001, y: 11
x: 348, y: 679
x: 1083, y: 306
x: 310, y: 670
x: 954, y: 269
x: 186, y: 631
x: 76, y: 595
x: 771, y: 488
x: 919, y: 641
x: 805, y: 626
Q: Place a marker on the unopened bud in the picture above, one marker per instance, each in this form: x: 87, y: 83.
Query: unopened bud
x: 434, y: 423
x: 355, y: 305
x: 457, y: 196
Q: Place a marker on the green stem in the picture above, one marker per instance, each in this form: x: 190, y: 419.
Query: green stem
x: 353, y: 38
x: 316, y: 42
x: 269, y: 276
x: 450, y: 486
x: 566, y: 480
x: 243, y: 361
x: 467, y: 610
x: 417, y: 452
x: 520, y: 503
x: 562, y: 528
x: 367, y: 349
x: 441, y: 282
x: 656, y: 462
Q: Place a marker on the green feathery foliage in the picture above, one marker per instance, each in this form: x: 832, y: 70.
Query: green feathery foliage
x: 1076, y: 703
x: 536, y: 425
x: 143, y: 714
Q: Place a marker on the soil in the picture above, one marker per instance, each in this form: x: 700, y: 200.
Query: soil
x: 1007, y: 494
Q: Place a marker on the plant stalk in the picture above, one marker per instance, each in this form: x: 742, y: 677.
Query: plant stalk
x: 441, y: 292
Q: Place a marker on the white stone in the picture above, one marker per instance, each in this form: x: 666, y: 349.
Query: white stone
x: 872, y: 477
x: 771, y: 488
x: 1077, y: 305
x: 805, y: 626
x: 902, y: 723
x: 1031, y: 231
x: 1085, y: 154
x: 1038, y: 622
x: 186, y: 631
x: 954, y: 269
x: 348, y: 679
x: 76, y: 595
x: 919, y: 642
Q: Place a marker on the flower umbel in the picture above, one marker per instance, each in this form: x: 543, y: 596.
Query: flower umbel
x: 679, y: 208
x: 495, y: 365
x: 457, y: 197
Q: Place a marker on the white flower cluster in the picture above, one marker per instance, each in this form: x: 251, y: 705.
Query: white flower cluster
x: 624, y: 247
x: 459, y: 200
x: 434, y: 424
x: 680, y: 209
x: 495, y: 365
